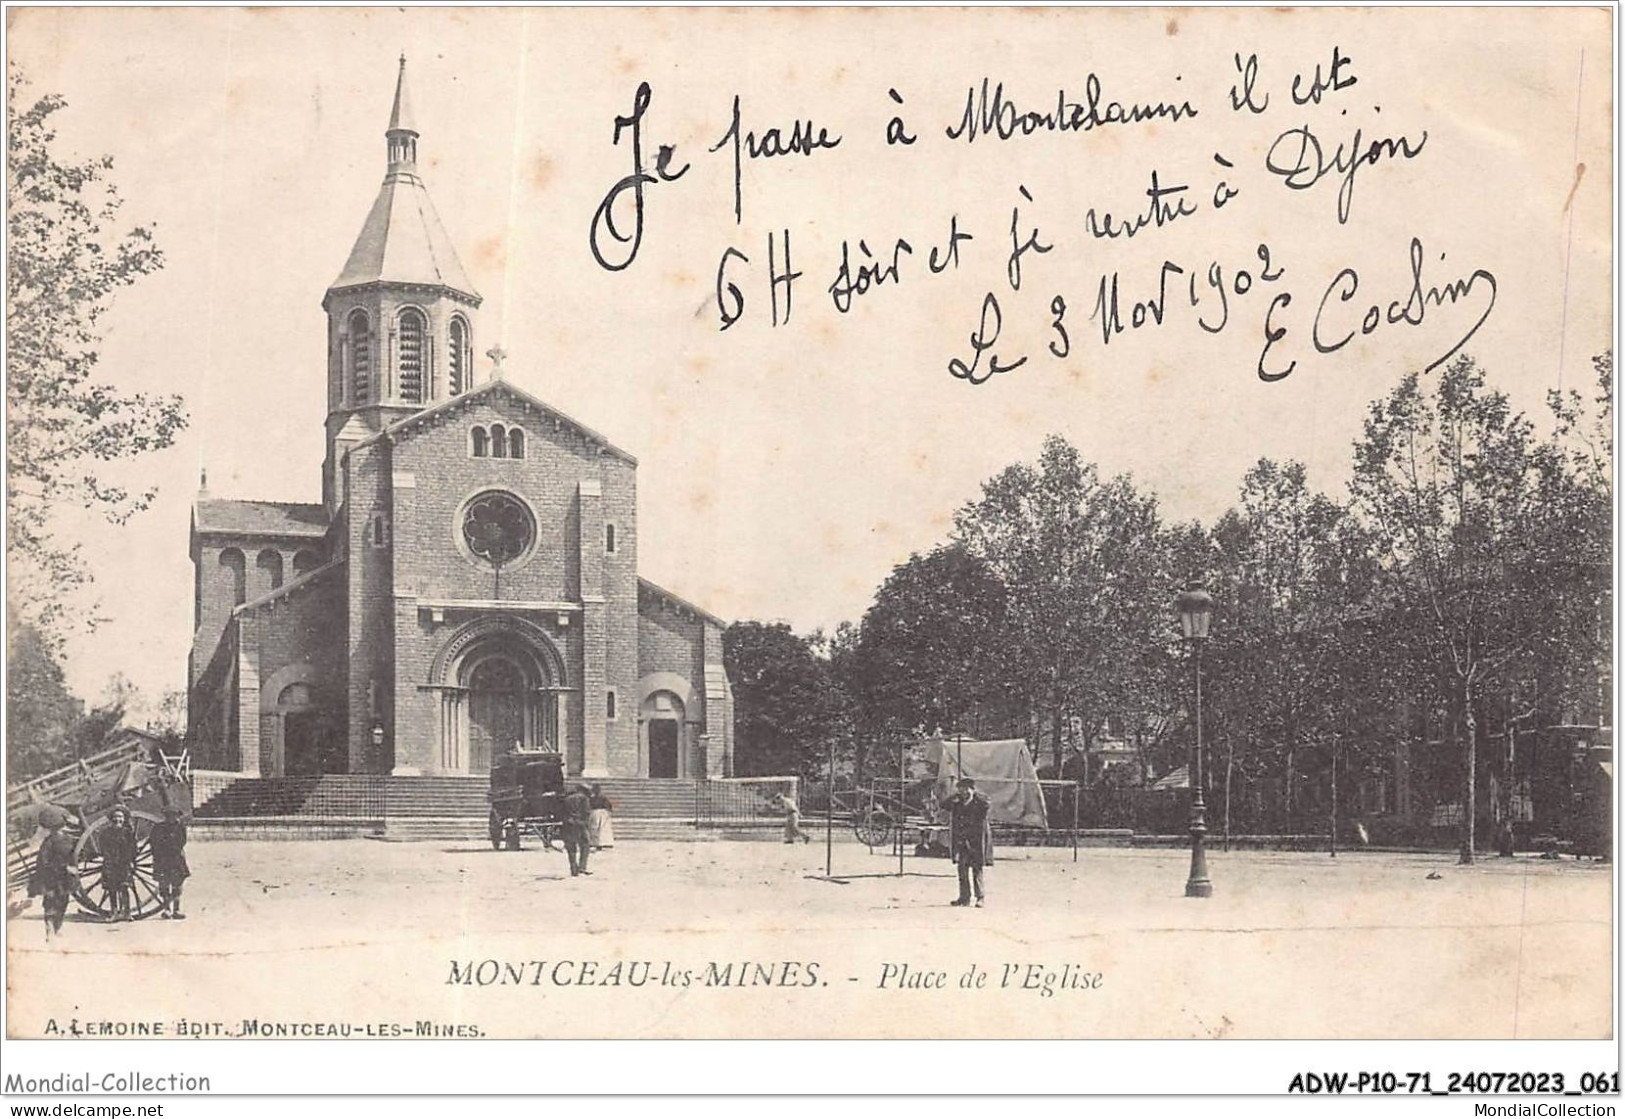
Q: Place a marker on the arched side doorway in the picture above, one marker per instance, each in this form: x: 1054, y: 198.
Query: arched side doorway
x: 298, y: 736
x: 668, y: 727
x: 501, y: 685
x: 663, y: 730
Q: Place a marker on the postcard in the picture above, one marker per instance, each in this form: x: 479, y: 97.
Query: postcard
x: 739, y: 524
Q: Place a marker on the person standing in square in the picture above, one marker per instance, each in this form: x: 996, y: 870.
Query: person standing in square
x: 600, y: 828
x: 968, y: 838
x: 577, y: 817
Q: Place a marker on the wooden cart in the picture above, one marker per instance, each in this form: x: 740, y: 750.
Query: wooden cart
x: 146, y: 790
x: 527, y: 796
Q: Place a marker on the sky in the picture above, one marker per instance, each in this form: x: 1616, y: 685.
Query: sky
x: 786, y: 469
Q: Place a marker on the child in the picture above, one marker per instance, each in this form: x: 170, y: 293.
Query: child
x: 169, y: 862
x: 117, y: 845
x: 52, y: 880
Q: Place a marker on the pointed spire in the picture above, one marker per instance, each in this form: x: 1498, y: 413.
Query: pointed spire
x: 402, y: 240
x: 400, y: 114
x: 402, y: 132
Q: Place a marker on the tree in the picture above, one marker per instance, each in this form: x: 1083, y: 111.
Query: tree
x: 168, y: 721
x: 1284, y: 556
x: 787, y: 706
x: 39, y: 710
x: 930, y: 655
x: 1568, y: 577
x: 65, y: 263
x: 1443, y: 480
x: 1079, y: 561
x: 1152, y: 697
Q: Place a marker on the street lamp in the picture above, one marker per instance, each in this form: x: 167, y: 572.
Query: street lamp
x: 378, y: 744
x: 1195, y: 608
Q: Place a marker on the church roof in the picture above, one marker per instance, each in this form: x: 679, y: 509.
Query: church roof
x: 260, y: 518
x: 651, y: 589
x: 402, y: 240
x: 299, y: 583
x: 548, y: 413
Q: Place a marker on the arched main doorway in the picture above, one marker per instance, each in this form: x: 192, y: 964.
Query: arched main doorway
x: 500, y: 710
x: 501, y: 686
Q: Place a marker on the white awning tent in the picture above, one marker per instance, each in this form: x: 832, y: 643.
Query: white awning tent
x: 1003, y: 771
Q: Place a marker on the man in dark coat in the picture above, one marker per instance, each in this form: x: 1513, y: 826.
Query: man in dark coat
x: 169, y: 867
x: 968, y: 838
x: 52, y: 879
x: 577, y: 814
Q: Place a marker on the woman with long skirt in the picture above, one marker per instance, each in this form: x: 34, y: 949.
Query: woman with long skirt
x: 600, y: 828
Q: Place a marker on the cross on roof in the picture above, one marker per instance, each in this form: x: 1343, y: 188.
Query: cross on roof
x: 496, y: 353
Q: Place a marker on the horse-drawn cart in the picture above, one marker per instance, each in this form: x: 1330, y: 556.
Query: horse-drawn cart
x: 527, y: 795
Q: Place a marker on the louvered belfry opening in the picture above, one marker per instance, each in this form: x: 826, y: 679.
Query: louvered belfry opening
x: 412, y: 330
x: 360, y: 357
x: 457, y: 371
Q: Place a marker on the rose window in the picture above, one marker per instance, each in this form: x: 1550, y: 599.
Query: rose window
x: 498, y: 528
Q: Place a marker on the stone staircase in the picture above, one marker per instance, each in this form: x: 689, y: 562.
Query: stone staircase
x: 455, y: 809
x: 441, y: 829
x: 438, y: 798
x: 450, y: 808
x: 648, y: 798
x: 334, y: 795
x: 441, y: 809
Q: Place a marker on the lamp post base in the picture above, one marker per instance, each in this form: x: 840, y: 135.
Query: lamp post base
x: 1197, y: 885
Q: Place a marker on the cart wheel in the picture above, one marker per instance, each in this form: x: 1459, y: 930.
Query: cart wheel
x: 89, y: 890
x: 874, y: 828
x: 495, y: 831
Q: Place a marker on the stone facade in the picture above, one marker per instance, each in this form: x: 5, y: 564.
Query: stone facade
x: 469, y: 580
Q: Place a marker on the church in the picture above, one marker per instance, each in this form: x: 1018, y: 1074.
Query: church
x: 468, y: 583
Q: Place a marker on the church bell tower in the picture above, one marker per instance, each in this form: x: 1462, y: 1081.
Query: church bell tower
x: 401, y: 315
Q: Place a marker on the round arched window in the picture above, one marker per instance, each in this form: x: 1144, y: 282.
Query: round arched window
x: 498, y: 528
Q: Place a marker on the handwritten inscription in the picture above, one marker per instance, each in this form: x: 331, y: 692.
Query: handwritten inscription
x: 603, y: 221
x: 1300, y: 313
x: 997, y: 116
x: 801, y: 138
x: 1301, y: 160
